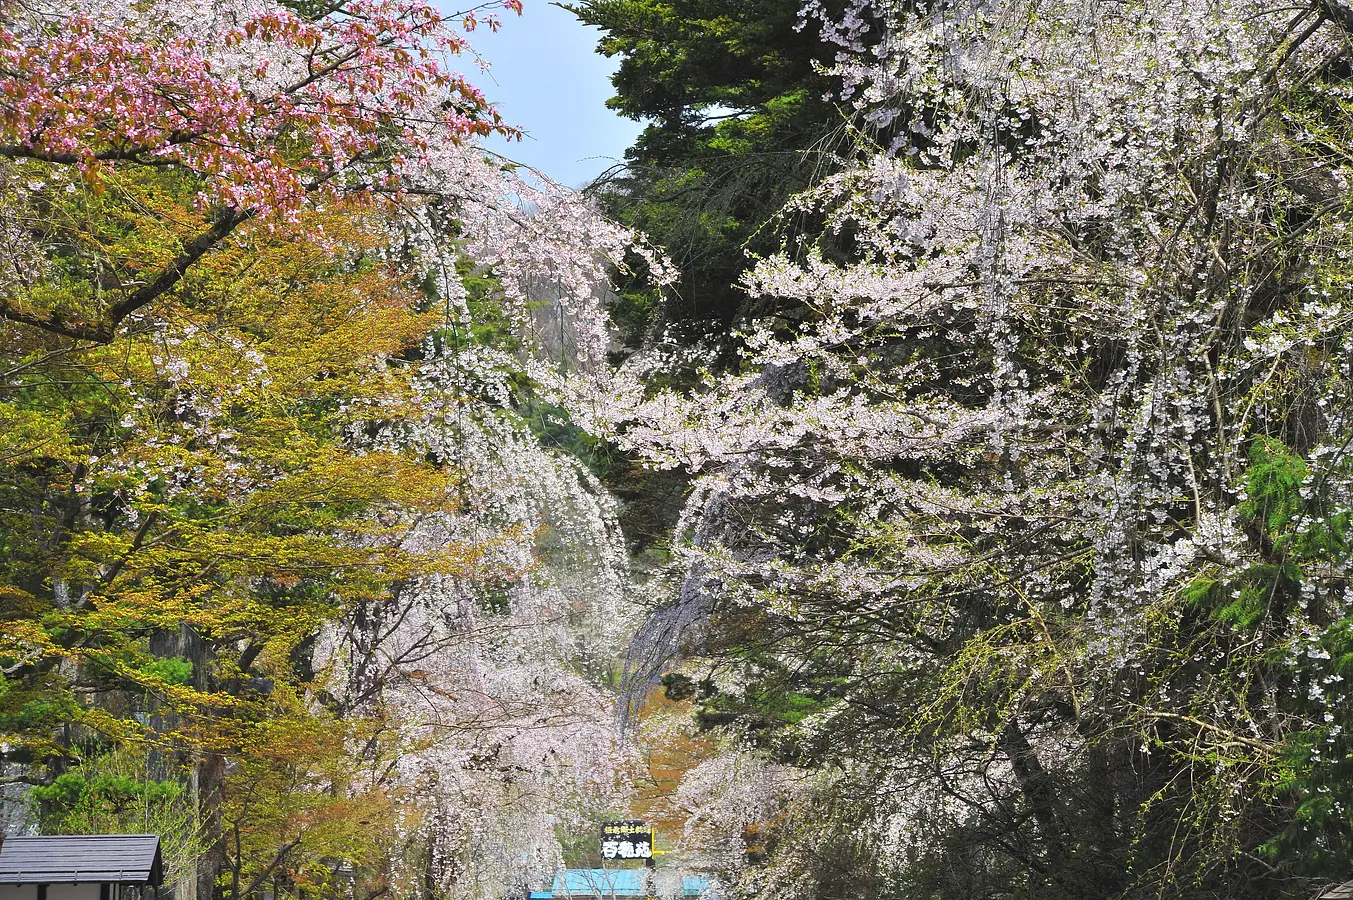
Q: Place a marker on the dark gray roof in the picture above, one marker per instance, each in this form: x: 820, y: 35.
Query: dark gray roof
x: 73, y: 858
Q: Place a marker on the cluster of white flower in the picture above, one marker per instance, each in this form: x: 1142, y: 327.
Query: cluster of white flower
x: 1006, y: 424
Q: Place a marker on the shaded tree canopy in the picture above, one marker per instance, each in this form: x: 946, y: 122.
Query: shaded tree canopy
x: 740, y: 120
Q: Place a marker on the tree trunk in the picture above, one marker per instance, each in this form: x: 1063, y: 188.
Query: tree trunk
x: 210, y: 793
x: 1036, y: 786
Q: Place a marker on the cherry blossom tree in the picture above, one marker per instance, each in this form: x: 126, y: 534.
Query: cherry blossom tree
x: 263, y: 108
x: 1030, y: 497
x: 496, y: 683
x: 274, y: 519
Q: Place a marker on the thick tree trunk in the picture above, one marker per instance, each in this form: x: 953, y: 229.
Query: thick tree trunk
x: 1036, y: 785
x: 210, y: 793
x: 209, y: 775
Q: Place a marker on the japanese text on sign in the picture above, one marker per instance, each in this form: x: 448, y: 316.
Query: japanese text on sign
x: 626, y: 840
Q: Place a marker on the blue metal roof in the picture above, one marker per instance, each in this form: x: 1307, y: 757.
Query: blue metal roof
x: 608, y: 883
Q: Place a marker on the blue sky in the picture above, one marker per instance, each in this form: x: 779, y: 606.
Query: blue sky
x: 547, y: 79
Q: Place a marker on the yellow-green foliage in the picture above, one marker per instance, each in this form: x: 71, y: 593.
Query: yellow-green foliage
x: 184, y: 508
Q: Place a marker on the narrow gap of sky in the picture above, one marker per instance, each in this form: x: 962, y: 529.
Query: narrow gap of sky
x: 548, y: 80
